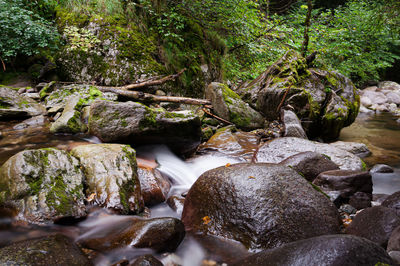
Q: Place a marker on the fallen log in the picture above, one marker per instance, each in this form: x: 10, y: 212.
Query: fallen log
x: 152, y: 82
x: 147, y: 97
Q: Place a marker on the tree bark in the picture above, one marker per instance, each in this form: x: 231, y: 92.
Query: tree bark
x: 152, y: 82
x: 147, y: 97
x: 307, y: 22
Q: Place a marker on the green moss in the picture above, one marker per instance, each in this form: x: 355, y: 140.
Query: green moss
x: 149, y: 120
x: 174, y: 115
x: 74, y: 124
x: 317, y: 188
x: 364, y: 165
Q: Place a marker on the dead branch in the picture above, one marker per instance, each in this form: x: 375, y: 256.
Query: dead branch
x: 216, y: 117
x: 4, y: 65
x: 147, y: 97
x: 152, y: 82
x: 283, y: 98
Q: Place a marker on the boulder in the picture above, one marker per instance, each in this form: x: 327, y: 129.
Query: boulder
x: 375, y: 224
x: 394, y: 240
x: 228, y: 105
x: 146, y: 260
x: 176, y: 203
x: 70, y: 119
x: 389, y: 85
x: 280, y: 149
x: 292, y: 125
x: 348, y: 183
x: 381, y: 168
x: 309, y: 164
x: 160, y: 234
x: 50, y: 250
x: 322, y: 250
x: 111, y: 176
x: 359, y: 149
x: 393, y: 201
x: 324, y: 101
x: 260, y: 205
x: 15, y: 106
x: 154, y: 186
x: 135, y: 123
x: 43, y: 185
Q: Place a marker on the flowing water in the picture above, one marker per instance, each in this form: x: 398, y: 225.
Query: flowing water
x: 380, y: 133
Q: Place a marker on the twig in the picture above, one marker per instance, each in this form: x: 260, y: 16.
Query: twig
x: 152, y: 82
x: 283, y: 98
x: 217, y: 117
x: 4, y: 65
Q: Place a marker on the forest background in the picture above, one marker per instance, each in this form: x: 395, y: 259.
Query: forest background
x: 241, y: 38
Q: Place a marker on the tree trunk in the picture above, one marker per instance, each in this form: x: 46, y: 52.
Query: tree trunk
x: 307, y: 23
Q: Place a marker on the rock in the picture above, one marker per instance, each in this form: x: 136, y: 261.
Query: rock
x: 322, y: 250
x: 395, y: 255
x: 135, y: 123
x: 309, y: 164
x: 365, y: 101
x: 111, y: 176
x: 394, y: 240
x: 232, y: 142
x: 280, y: 149
x: 360, y: 200
x: 160, y: 234
x: 375, y: 97
x: 365, y: 110
x: 51, y: 250
x: 359, y: 149
x: 292, y: 125
x: 324, y: 101
x: 393, y: 201
x: 176, y: 203
x: 154, y: 186
x: 146, y: 260
x: 43, y: 185
x: 70, y: 119
x: 389, y: 85
x: 393, y: 98
x: 381, y: 168
x: 260, y: 205
x: 229, y: 106
x: 15, y: 106
x: 375, y: 224
x: 346, y: 181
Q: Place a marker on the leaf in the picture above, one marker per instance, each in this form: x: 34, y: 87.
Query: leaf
x: 206, y: 220
x: 251, y: 177
x: 227, y: 165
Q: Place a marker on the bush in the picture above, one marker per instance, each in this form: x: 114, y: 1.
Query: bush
x: 23, y: 32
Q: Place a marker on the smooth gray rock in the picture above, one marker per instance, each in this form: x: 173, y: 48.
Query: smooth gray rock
x: 330, y: 250
x: 111, y: 176
x: 359, y: 149
x: 260, y: 205
x: 381, y: 168
x: 135, y: 123
x: 280, y: 149
x: 292, y: 125
x: 43, y: 185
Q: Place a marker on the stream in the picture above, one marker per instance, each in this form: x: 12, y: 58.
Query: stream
x: 381, y: 133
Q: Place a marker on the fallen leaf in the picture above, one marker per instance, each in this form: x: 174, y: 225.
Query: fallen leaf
x: 251, y: 177
x: 227, y: 165
x: 206, y: 220
x: 91, y: 197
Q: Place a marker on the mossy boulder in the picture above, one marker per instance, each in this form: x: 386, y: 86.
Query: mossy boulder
x: 135, y: 123
x: 16, y: 106
x: 105, y: 49
x: 42, y: 185
x: 111, y: 176
x: 70, y: 119
x: 260, y: 205
x: 324, y: 101
x: 228, y: 105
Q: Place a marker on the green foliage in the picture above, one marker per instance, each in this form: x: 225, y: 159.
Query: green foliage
x: 90, y: 7
x: 354, y: 39
x: 23, y: 32
x: 81, y: 39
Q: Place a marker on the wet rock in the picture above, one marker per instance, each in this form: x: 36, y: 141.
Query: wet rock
x: 393, y: 201
x: 309, y: 164
x: 147, y: 260
x: 280, y: 149
x: 322, y: 250
x: 51, y: 250
x: 325, y: 101
x: 135, y: 123
x: 292, y: 125
x: 232, y: 142
x: 348, y: 183
x: 70, y: 119
x: 375, y: 224
x: 229, y: 106
x: 43, y: 185
x: 259, y: 205
x: 389, y: 85
x: 359, y: 149
x: 111, y: 176
x: 381, y: 168
x: 15, y: 106
x: 160, y: 234
x: 176, y: 203
x: 154, y: 186
x: 394, y: 240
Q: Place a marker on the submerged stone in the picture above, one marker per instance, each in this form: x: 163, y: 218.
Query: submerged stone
x: 43, y: 185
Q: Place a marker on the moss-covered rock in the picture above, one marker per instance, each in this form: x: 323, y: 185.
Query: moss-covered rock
x: 16, y: 106
x: 135, y: 123
x: 324, y: 101
x: 111, y: 176
x: 43, y: 185
x: 228, y: 105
